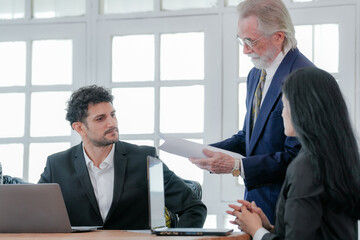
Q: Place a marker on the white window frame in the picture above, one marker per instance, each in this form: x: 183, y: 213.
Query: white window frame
x: 28, y: 34
x: 212, y: 84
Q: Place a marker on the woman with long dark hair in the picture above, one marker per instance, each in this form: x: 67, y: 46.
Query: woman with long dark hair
x: 320, y: 196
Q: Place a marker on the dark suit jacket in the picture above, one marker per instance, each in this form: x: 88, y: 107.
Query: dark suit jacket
x: 302, y: 211
x: 129, y: 209
x: 268, y: 151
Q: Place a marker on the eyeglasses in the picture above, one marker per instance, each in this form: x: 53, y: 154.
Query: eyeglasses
x: 248, y: 42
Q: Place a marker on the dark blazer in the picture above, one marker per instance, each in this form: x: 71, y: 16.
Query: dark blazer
x: 302, y: 211
x: 268, y: 151
x: 129, y: 209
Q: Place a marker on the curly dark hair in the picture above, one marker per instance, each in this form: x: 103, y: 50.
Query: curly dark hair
x: 77, y: 108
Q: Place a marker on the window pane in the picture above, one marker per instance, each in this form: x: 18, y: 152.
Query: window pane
x: 52, y: 62
x: 242, y: 104
x: 134, y: 109
x: 58, y: 8
x: 140, y: 142
x: 48, y: 114
x: 210, y: 221
x: 131, y: 53
x: 13, y: 64
x: 38, y: 156
x: 182, y: 56
x: 125, y: 6
x: 182, y: 109
x: 12, y: 159
x: 245, y: 63
x: 326, y: 55
x: 12, y: 9
x: 182, y: 167
x: 12, y: 122
x: 232, y: 2
x: 181, y: 4
x: 320, y: 43
x: 304, y: 37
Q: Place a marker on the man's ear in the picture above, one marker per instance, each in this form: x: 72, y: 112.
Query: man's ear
x: 78, y: 127
x: 279, y: 38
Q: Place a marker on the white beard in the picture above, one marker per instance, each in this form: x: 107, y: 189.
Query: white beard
x: 265, y: 60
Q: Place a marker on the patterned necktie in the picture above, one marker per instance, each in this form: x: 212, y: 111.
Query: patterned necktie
x: 257, y: 98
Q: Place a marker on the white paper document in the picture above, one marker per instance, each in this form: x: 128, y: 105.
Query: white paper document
x: 190, y: 149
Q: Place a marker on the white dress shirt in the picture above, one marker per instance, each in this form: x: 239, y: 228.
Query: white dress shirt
x: 270, y: 72
x: 260, y: 233
x: 102, y: 180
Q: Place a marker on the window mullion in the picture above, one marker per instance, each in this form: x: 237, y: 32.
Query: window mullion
x: 28, y: 10
x: 157, y: 5
x: 157, y: 85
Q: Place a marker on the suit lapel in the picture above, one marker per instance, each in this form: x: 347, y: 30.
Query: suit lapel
x: 84, y: 178
x: 272, y: 96
x: 120, y: 162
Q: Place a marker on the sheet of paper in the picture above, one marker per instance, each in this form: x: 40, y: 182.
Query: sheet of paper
x: 190, y: 149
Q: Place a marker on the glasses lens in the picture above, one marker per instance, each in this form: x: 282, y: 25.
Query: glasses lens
x: 244, y: 42
x: 248, y: 43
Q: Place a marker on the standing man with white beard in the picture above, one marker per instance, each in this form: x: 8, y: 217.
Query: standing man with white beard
x: 267, y: 35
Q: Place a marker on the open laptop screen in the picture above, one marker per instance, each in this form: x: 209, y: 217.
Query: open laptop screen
x: 157, y: 206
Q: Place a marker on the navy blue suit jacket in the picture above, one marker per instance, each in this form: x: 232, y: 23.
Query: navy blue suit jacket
x: 268, y: 151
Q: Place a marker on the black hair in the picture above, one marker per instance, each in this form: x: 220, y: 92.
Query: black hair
x: 322, y: 125
x: 77, y: 108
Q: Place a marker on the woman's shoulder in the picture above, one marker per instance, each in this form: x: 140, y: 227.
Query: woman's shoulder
x: 300, y: 177
x: 301, y: 165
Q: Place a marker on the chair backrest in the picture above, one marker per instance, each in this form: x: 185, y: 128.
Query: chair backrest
x: 171, y: 218
x: 195, y: 186
x: 12, y: 180
x: 4, y: 179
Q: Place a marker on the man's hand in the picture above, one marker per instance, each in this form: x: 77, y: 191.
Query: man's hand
x: 217, y: 162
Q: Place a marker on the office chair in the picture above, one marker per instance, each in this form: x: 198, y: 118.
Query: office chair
x: 171, y: 218
x: 9, y: 180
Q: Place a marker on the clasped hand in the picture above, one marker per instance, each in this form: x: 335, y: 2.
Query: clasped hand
x: 249, y: 217
x: 216, y: 162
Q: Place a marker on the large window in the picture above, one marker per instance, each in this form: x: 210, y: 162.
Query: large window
x: 38, y: 65
x: 160, y: 81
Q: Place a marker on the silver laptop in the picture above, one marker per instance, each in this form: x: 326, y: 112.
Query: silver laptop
x: 157, y: 206
x: 34, y: 208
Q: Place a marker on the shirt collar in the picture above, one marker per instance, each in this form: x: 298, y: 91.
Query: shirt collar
x: 270, y: 71
x: 109, y: 160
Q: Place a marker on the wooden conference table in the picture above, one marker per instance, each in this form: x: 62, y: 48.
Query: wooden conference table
x: 116, y: 234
